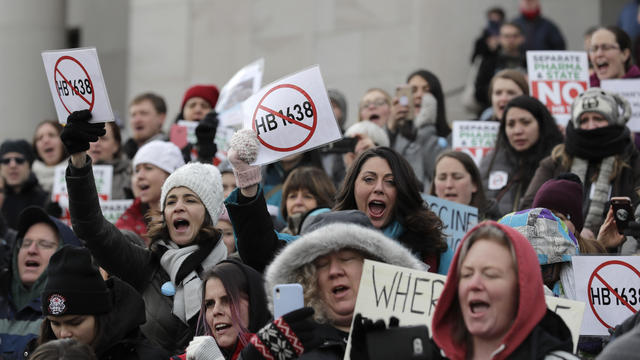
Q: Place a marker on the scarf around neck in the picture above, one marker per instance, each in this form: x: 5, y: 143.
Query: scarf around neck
x: 183, y: 265
x: 598, y: 143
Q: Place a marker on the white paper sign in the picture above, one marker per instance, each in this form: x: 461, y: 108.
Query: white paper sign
x: 630, y: 90
x: 556, y: 78
x: 291, y: 115
x: 411, y: 296
x: 610, y: 286
x: 475, y: 138
x: 112, y: 209
x: 246, y: 82
x: 76, y: 83
x: 103, y: 175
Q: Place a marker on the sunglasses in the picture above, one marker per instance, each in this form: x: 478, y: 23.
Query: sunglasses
x: 18, y: 160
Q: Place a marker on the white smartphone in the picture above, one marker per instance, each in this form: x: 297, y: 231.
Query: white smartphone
x: 286, y: 298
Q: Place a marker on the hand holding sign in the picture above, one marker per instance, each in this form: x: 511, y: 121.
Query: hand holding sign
x: 78, y: 132
x: 76, y: 83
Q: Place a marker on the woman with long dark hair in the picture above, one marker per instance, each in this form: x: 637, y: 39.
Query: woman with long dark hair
x: 234, y: 307
x: 527, y: 134
x: 380, y: 183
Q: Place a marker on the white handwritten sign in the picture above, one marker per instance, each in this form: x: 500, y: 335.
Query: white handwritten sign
x: 630, y: 90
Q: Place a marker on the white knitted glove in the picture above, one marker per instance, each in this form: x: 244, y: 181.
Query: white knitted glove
x: 428, y: 111
x: 204, y: 348
x: 243, y: 151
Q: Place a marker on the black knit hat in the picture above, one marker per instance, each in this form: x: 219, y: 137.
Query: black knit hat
x: 19, y: 146
x: 74, y: 285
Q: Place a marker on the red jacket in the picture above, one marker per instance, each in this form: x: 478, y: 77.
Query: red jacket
x: 133, y: 220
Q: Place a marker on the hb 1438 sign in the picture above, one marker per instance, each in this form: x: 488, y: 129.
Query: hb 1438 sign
x: 76, y: 83
x: 291, y: 115
x: 556, y: 78
x: 610, y: 286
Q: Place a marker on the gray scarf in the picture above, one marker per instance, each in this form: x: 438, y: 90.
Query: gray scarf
x: 601, y: 190
x: 186, y: 301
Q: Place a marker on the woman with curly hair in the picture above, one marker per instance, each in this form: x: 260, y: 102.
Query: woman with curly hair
x: 380, y: 183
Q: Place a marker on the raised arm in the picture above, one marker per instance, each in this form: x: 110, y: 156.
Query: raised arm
x: 113, y: 251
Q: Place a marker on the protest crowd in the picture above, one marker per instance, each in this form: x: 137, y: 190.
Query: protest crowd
x: 215, y: 254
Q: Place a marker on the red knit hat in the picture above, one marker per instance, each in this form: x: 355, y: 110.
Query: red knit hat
x: 208, y: 92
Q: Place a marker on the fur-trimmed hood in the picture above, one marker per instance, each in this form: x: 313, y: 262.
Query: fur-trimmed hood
x: 331, y: 238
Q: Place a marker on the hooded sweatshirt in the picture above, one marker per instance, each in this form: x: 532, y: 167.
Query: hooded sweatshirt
x: 535, y: 331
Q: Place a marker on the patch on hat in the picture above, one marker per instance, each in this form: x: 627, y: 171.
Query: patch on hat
x: 57, y: 304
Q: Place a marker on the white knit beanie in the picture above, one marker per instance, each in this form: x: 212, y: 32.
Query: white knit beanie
x: 204, y: 180
x: 163, y: 154
x: 377, y: 134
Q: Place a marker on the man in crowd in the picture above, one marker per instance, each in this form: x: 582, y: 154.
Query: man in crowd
x: 510, y: 55
x: 21, y: 185
x: 39, y: 236
x: 147, y: 113
x: 540, y: 33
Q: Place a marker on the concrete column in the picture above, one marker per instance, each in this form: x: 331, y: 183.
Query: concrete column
x: 27, y: 28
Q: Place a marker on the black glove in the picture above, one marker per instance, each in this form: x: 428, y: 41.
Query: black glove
x: 53, y: 208
x: 78, y: 132
x: 362, y: 326
x: 633, y: 229
x: 205, y: 134
x: 289, y: 336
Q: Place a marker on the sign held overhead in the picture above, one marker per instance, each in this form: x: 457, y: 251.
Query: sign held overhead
x: 291, y: 115
x: 76, y: 83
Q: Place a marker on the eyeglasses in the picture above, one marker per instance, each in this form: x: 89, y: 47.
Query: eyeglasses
x: 17, y: 159
x: 41, y: 244
x: 376, y: 102
x: 604, y: 47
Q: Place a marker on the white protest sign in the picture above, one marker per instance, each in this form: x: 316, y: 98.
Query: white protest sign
x: 610, y: 285
x: 571, y: 313
x: 246, y: 82
x: 76, y: 83
x: 389, y: 290
x: 556, y: 78
x: 112, y: 209
x: 291, y: 115
x: 103, y: 175
x: 411, y: 296
x: 457, y: 220
x: 475, y: 138
x: 630, y: 90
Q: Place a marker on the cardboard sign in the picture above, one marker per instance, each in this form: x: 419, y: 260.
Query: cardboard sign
x: 556, y: 78
x: 76, y: 83
x: 411, y: 296
x: 291, y: 115
x: 389, y: 290
x: 457, y: 220
x: 103, y: 175
x: 630, y: 90
x: 571, y: 313
x: 610, y: 285
x: 475, y: 138
x: 112, y: 209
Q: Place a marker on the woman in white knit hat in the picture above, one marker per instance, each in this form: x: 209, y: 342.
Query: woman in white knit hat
x: 183, y: 237
x: 152, y: 165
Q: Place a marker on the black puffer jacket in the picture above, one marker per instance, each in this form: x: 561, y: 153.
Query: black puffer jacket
x: 140, y: 267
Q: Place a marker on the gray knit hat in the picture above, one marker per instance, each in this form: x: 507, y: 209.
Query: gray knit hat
x: 605, y: 103
x: 204, y: 180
